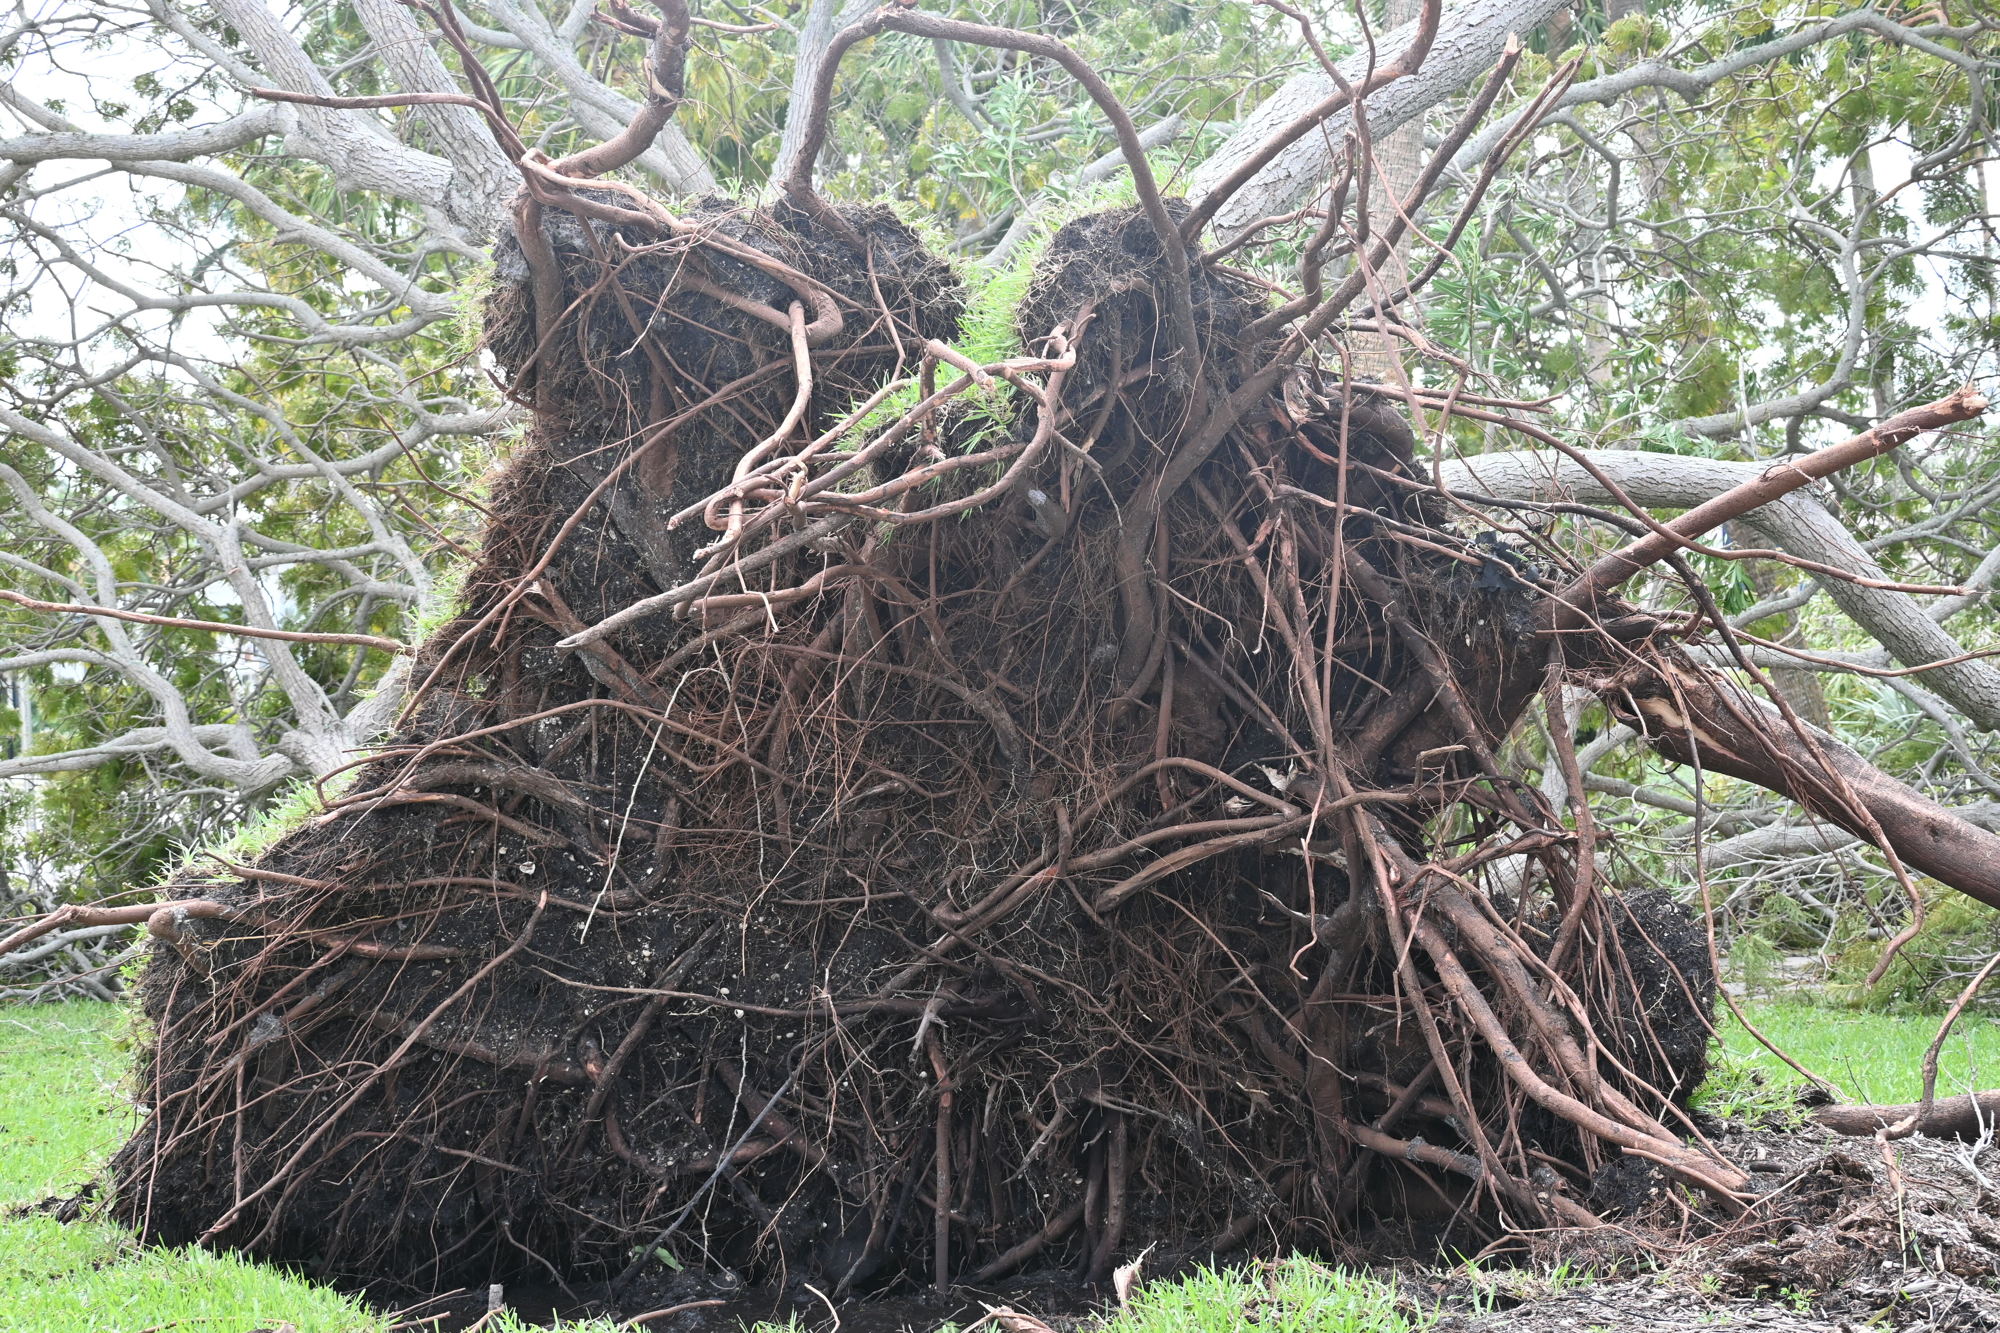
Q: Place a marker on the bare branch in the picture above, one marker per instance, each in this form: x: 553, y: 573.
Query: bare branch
x: 1797, y: 523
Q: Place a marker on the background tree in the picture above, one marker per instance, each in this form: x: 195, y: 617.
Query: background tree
x: 242, y: 385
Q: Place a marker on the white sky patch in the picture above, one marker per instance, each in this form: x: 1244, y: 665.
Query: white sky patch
x: 104, y: 213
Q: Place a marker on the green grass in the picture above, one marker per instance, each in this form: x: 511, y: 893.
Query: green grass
x: 60, y: 1109
x: 1870, y: 1057
x: 91, y: 1276
x: 62, y: 1112
x: 1288, y: 1296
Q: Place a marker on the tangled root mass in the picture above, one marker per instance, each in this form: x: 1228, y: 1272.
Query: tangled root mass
x: 965, y: 910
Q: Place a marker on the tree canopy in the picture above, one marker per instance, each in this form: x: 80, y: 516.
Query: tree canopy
x: 243, y: 383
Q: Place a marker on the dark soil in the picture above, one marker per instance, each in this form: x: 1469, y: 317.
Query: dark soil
x: 1839, y: 1243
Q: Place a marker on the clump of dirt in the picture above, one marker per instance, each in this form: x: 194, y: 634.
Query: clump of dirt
x: 472, y: 921
x: 1843, y: 1211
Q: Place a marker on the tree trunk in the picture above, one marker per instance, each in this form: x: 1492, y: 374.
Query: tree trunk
x: 1801, y: 687
x: 1399, y: 159
x: 1470, y: 39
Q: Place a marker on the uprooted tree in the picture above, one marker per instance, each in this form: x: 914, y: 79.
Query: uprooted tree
x: 879, y: 813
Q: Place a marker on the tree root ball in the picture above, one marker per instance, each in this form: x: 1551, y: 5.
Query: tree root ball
x: 840, y: 934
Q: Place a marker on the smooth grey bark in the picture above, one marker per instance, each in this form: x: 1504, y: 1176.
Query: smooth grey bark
x: 164, y: 145
x: 482, y: 178
x: 824, y: 21
x: 599, y: 108
x: 1799, y: 525
x: 359, y: 149
x: 1470, y: 39
x: 1788, y: 842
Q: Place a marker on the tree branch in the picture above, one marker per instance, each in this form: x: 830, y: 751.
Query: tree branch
x: 1796, y: 523
x: 1471, y: 38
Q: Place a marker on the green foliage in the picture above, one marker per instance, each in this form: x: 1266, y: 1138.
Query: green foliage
x: 1728, y: 580
x: 1959, y: 935
x: 1718, y: 282
x: 114, y: 826
x: 901, y: 136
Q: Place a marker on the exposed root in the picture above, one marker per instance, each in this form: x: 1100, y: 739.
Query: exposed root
x: 897, y: 893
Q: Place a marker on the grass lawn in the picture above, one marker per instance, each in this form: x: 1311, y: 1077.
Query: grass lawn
x: 1870, y: 1057
x: 62, y: 1111
x: 61, y: 1114
x: 60, y: 1108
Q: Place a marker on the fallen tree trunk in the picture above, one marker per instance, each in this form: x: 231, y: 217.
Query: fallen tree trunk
x: 1967, y: 1117
x: 1693, y: 717
x: 1787, y: 842
x: 1797, y: 524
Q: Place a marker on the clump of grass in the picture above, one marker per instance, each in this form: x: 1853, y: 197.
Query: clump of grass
x: 507, y: 1321
x: 1738, y: 1088
x: 1293, y: 1295
x: 443, y: 600
x: 990, y: 328
x: 1501, y: 1286
x: 88, y: 1276
x: 990, y: 331
x: 261, y: 830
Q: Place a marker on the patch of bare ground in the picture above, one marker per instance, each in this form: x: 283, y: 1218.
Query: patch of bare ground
x: 1846, y: 1234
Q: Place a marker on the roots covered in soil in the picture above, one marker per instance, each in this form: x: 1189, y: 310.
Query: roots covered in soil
x: 1022, y: 820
